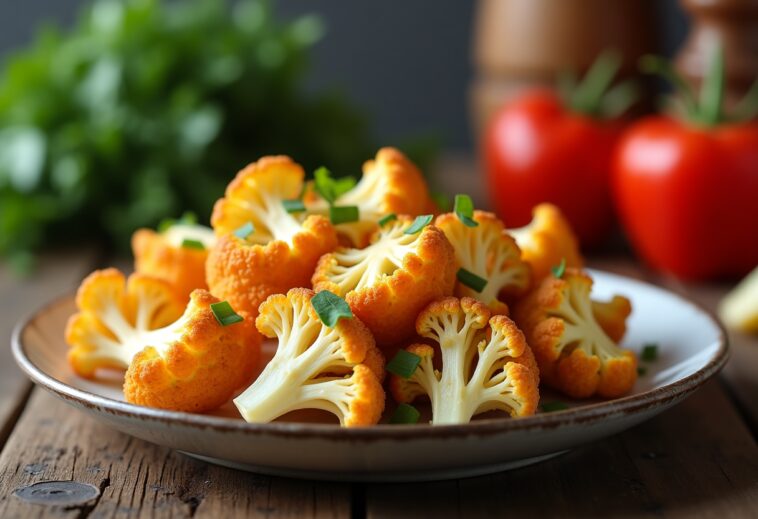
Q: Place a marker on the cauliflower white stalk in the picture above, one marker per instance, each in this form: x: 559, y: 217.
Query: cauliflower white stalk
x: 582, y: 330
x: 176, y: 234
x: 131, y: 339
x: 359, y: 268
x: 455, y: 397
x: 292, y: 380
x: 270, y: 218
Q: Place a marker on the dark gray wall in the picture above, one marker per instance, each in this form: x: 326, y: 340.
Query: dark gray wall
x: 406, y: 62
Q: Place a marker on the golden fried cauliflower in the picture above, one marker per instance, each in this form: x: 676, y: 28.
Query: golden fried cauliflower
x: 611, y: 316
x: 490, y: 253
x: 336, y: 369
x: 281, y: 249
x: 486, y: 364
x: 573, y: 352
x: 390, y: 281
x: 176, y: 255
x: 182, y: 361
x: 391, y: 183
x: 546, y: 241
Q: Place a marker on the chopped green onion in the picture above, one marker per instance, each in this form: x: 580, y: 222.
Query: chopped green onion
x: 225, y: 314
x: 649, y: 352
x: 387, y: 218
x: 192, y: 244
x: 404, y: 364
x: 464, y: 210
x: 560, y: 269
x: 293, y: 206
x: 441, y: 200
x: 471, y: 280
x: 187, y: 218
x: 405, y: 414
x: 641, y: 370
x: 331, y: 189
x: 419, y: 223
x: 330, y: 308
x: 244, y: 231
x: 345, y: 214
x: 550, y: 407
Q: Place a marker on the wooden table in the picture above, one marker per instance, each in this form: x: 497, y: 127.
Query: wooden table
x: 698, y: 459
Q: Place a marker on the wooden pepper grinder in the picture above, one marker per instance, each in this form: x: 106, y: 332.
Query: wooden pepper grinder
x: 524, y: 43
x: 734, y: 25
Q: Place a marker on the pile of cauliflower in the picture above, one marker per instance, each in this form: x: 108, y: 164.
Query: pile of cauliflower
x: 354, y: 281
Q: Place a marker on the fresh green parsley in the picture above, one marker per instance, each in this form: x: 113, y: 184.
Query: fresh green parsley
x: 344, y: 214
x: 560, y: 269
x: 225, y: 314
x: 471, y: 280
x: 293, y: 206
x: 419, y: 223
x: 245, y: 230
x: 192, y: 244
x: 649, y: 352
x: 387, y: 218
x: 405, y: 414
x: 464, y: 210
x: 404, y: 364
x: 330, y: 308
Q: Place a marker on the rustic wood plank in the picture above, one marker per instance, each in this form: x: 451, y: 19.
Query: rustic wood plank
x: 56, y: 274
x: 137, y: 479
x: 696, y: 459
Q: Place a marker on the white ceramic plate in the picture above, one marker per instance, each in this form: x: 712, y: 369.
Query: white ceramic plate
x: 692, y: 348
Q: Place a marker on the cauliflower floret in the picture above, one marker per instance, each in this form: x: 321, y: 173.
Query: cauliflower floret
x: 279, y: 252
x: 184, y: 362
x: 389, y: 282
x: 176, y: 255
x: 611, y: 316
x: 546, y: 241
x: 486, y: 364
x: 739, y: 308
x: 336, y: 369
x: 573, y: 352
x: 390, y: 184
x: 489, y: 252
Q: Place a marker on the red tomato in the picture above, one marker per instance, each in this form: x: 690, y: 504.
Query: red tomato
x: 536, y: 150
x: 688, y: 196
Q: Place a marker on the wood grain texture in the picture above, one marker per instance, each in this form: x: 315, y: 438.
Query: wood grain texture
x: 696, y: 460
x: 137, y: 479
x: 56, y: 274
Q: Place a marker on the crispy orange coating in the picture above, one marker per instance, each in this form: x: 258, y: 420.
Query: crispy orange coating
x: 182, y: 267
x: 486, y: 363
x: 388, y: 283
x: 337, y: 369
x: 246, y: 274
x: 110, y: 305
x: 489, y: 252
x: 573, y: 352
x: 391, y: 183
x: 547, y: 240
x: 201, y: 364
x: 611, y: 316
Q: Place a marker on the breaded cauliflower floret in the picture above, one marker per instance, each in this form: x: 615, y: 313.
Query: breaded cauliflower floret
x: 390, y: 184
x: 573, y: 352
x: 176, y: 255
x: 611, y: 316
x: 486, y: 364
x: 282, y: 250
x: 489, y: 252
x: 389, y: 282
x: 184, y: 362
x: 336, y: 369
x: 546, y: 241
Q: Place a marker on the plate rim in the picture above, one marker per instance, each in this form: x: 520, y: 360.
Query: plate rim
x: 590, y: 413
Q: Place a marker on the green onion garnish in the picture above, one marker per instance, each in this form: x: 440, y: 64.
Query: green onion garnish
x: 649, y: 352
x: 187, y: 218
x: 464, y: 210
x: 405, y: 414
x: 387, y: 218
x: 549, y: 407
x: 192, y: 244
x: 471, y: 280
x: 344, y: 214
x: 244, y: 231
x: 404, y: 364
x: 560, y: 269
x: 330, y: 308
x: 329, y: 188
x: 225, y: 314
x: 419, y: 223
x: 641, y: 370
x: 293, y: 206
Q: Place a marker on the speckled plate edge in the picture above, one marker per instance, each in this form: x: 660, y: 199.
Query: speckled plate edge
x: 587, y: 414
